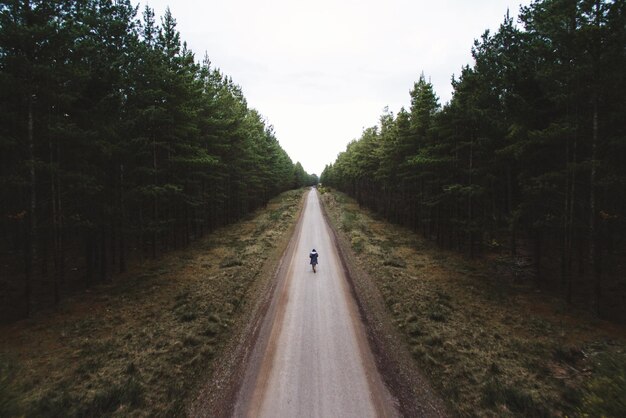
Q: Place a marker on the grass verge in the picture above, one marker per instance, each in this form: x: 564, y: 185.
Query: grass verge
x: 489, y: 343
x: 143, y: 345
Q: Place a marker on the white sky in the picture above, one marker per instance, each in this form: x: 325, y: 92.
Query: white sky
x: 321, y: 71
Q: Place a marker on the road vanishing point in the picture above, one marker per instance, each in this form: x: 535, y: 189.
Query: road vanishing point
x: 313, y: 358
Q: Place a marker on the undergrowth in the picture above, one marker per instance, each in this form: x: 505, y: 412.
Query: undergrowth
x: 605, y: 393
x: 490, y: 344
x: 143, y: 345
x: 8, y: 401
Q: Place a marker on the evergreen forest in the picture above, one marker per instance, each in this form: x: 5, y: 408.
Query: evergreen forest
x: 116, y: 145
x: 526, y: 159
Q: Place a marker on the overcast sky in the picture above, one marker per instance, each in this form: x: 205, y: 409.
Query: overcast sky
x: 320, y: 71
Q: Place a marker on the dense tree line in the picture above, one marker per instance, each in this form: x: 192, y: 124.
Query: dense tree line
x: 116, y: 143
x: 528, y: 155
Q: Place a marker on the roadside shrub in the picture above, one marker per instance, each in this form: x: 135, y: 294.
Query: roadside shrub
x: 494, y: 369
x: 190, y: 341
x: 437, y: 316
x: 54, y: 403
x: 348, y: 220
x: 434, y: 341
x: 110, y: 398
x: 186, y: 311
x: 357, y: 244
x: 8, y: 403
x: 395, y: 262
x: 569, y: 355
x: 88, y: 366
x: 522, y: 402
x: 414, y: 330
x: 275, y: 215
x: 211, y: 330
x: 230, y: 262
x: 516, y: 399
x: 605, y: 393
x: 187, y: 316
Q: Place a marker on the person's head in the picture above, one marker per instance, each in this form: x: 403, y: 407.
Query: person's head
x: 313, y: 251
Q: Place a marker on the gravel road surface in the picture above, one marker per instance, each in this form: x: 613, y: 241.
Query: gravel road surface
x: 313, y: 359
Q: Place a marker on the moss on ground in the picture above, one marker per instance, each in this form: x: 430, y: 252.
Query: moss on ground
x: 490, y: 344
x: 142, y: 345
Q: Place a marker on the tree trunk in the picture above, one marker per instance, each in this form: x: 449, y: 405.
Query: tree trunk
x: 155, y: 202
x: 538, y: 244
x: 89, y: 257
x: 142, y: 235
x: 103, y: 252
x: 31, y: 250
x: 594, y: 252
x: 55, y: 225
x: 570, y: 226
x: 60, y: 270
x: 122, y: 226
x: 513, y: 216
x: 470, y: 203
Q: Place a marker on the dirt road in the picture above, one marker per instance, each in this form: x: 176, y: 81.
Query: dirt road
x: 312, y: 358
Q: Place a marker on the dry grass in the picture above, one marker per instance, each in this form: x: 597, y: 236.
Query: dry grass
x: 141, y: 346
x: 491, y: 345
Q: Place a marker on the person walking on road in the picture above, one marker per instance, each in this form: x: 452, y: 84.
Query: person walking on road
x: 313, y: 256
